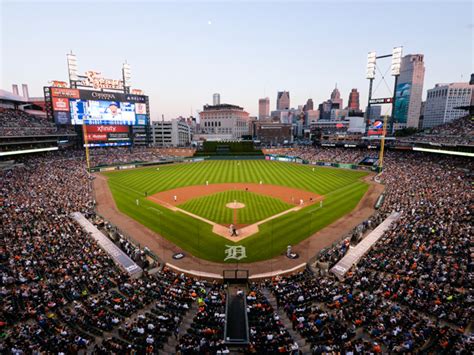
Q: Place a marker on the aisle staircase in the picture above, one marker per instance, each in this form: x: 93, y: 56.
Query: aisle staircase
x: 305, y: 348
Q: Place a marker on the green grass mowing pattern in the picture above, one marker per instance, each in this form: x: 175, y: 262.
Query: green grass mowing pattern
x: 342, y: 189
x: 257, y: 207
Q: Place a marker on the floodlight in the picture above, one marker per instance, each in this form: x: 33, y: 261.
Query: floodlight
x: 127, y: 75
x: 396, y: 60
x: 371, y: 58
x: 72, y: 67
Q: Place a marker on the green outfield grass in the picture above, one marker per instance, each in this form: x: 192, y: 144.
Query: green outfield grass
x: 257, y: 207
x: 342, y: 190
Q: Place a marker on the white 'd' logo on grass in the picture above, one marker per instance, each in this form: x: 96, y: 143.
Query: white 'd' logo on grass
x: 235, y: 252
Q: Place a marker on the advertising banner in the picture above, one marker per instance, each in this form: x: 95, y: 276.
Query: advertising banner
x: 106, y: 129
x: 402, y: 102
x: 65, y: 92
x: 96, y: 137
x: 60, y: 104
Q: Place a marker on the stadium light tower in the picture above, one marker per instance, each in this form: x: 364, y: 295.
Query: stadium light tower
x: 72, y: 69
x: 127, y: 77
x: 395, y: 71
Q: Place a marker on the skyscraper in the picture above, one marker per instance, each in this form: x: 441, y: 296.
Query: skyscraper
x: 309, y: 105
x: 325, y: 110
x: 283, y: 100
x: 408, y: 91
x: 353, y: 104
x: 216, y: 99
x: 263, y: 108
x: 336, y: 98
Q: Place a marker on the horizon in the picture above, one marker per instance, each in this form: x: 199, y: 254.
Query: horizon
x: 182, y: 53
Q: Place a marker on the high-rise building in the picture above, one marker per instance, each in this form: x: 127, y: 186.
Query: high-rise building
x: 409, y: 91
x: 442, y: 100
x: 263, y: 108
x: 353, y: 104
x: 216, y: 99
x: 283, y: 100
x: 325, y: 110
x: 336, y: 98
x: 309, y: 105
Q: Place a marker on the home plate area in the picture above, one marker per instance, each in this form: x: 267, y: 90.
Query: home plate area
x: 235, y: 210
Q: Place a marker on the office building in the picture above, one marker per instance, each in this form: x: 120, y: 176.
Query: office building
x: 309, y: 105
x: 216, y: 99
x: 224, y: 121
x: 336, y: 98
x: 353, y: 104
x: 409, y: 91
x: 174, y: 133
x: 325, y: 110
x: 441, y: 103
x: 263, y: 108
x: 283, y: 100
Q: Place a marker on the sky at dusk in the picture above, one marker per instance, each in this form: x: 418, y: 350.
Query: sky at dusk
x: 183, y: 52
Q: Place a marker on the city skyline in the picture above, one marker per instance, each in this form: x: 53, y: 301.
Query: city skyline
x: 180, y: 54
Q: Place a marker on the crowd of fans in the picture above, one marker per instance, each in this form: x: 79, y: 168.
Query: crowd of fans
x: 459, y: 131
x: 268, y: 334
x: 119, y: 155
x: 60, y: 292
x: 206, y: 334
x: 20, y: 123
x: 412, y: 292
x: 326, y: 154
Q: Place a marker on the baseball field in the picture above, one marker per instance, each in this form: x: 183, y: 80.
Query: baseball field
x: 181, y: 202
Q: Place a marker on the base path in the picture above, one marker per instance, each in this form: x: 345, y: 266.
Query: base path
x: 286, y: 194
x: 165, y: 249
x: 171, y: 198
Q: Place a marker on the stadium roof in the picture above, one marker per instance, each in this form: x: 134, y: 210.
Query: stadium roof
x: 8, y: 96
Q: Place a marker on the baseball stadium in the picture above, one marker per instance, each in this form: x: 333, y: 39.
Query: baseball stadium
x: 312, y: 230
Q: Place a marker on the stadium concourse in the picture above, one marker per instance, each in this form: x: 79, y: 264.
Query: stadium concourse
x: 61, y: 293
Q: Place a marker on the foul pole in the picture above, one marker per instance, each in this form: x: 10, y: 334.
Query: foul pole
x: 84, y: 133
x: 382, y: 143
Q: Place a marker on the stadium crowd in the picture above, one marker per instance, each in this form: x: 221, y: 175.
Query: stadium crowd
x: 20, y: 123
x: 326, y: 154
x: 459, y: 131
x: 412, y: 292
x: 120, y: 155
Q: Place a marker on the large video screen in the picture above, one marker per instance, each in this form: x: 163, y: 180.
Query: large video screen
x: 78, y: 107
x: 102, y: 112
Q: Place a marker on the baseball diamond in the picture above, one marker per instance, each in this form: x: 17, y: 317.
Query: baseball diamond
x: 340, y: 190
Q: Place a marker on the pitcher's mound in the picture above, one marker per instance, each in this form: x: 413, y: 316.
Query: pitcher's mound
x: 235, y: 205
